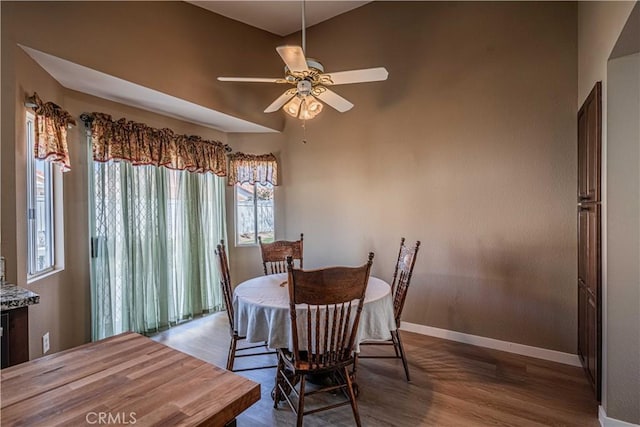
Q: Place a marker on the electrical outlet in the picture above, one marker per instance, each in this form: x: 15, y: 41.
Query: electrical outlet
x: 45, y: 343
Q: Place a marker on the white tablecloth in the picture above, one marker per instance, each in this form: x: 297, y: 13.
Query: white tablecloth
x: 262, y: 311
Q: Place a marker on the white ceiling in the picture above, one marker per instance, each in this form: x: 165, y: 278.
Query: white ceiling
x: 279, y: 17
x: 77, y: 77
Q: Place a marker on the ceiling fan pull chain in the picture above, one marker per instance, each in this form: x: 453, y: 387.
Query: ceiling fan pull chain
x: 304, y: 131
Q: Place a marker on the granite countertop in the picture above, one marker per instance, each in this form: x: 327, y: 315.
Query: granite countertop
x: 12, y: 296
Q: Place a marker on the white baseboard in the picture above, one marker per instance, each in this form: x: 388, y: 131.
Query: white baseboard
x: 611, y: 422
x: 525, y: 350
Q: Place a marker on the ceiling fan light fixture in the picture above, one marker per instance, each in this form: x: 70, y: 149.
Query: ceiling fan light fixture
x: 310, y: 82
x: 309, y: 108
x: 303, y: 107
x: 292, y: 107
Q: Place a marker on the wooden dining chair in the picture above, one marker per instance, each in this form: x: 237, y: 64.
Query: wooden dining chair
x: 227, y: 292
x: 399, y: 287
x: 274, y: 254
x: 324, y: 335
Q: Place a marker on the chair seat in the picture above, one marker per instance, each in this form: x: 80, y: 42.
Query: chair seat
x: 302, y: 365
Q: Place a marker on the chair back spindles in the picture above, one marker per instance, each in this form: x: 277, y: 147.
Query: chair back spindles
x: 274, y: 255
x: 402, y: 277
x: 276, y: 267
x: 328, y: 334
x: 333, y: 299
x: 225, y: 281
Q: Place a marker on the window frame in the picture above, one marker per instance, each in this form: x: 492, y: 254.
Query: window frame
x: 49, y: 200
x: 255, y: 214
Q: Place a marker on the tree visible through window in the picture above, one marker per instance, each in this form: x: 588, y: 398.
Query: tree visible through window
x: 254, y: 213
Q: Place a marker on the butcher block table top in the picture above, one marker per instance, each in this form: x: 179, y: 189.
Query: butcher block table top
x: 127, y: 379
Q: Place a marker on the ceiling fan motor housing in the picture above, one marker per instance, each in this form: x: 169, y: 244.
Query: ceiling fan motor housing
x: 304, y: 87
x: 315, y: 64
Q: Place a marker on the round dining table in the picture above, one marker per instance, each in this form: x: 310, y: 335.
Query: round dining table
x: 261, y: 310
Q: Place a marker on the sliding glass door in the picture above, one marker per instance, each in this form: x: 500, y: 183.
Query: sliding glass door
x: 153, y: 235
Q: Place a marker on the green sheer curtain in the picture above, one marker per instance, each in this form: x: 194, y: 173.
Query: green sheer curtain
x: 154, y: 232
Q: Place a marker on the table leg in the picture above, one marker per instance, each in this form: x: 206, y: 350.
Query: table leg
x: 293, y: 379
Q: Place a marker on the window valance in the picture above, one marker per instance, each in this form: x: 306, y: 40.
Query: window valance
x: 140, y: 144
x: 51, y: 123
x: 252, y: 168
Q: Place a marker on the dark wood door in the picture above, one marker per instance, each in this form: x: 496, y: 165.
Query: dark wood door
x: 589, y: 244
x: 590, y: 146
x: 589, y: 293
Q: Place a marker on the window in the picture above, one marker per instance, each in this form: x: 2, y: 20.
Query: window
x: 254, y: 213
x: 40, y: 221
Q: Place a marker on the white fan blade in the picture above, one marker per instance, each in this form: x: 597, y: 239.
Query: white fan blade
x: 293, y: 56
x: 357, y: 76
x: 252, y: 79
x: 279, y: 102
x: 334, y: 100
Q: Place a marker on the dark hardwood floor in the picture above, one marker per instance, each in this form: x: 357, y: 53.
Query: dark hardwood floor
x: 453, y: 384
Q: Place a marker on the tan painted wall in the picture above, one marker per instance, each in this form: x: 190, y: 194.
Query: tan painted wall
x: 469, y: 147
x: 623, y: 242
x: 599, y: 26
x: 170, y: 46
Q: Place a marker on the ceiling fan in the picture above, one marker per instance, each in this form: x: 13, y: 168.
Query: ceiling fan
x: 310, y: 82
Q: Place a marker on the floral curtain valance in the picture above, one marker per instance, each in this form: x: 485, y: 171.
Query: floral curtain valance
x: 252, y: 168
x: 140, y: 144
x: 51, y: 125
